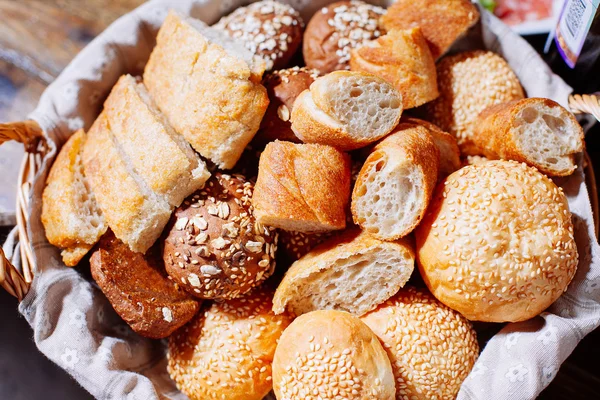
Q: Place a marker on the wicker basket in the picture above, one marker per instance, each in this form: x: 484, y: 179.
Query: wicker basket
x: 30, y: 134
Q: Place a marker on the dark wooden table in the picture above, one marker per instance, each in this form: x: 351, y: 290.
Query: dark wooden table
x: 37, y: 40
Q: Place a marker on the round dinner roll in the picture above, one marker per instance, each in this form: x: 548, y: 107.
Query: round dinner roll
x: 330, y: 355
x: 497, y: 242
x: 468, y: 83
x: 227, y: 350
x: 431, y: 347
x: 269, y: 29
x: 335, y: 30
x: 214, y: 247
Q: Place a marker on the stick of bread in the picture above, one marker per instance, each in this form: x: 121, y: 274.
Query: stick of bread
x: 347, y: 110
x: 208, y: 86
x: 402, y: 58
x: 539, y: 132
x: 353, y: 272
x: 70, y: 214
x: 395, y: 184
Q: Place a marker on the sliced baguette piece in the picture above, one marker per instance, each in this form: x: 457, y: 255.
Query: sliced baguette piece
x: 208, y: 86
x: 402, y: 58
x: 353, y: 272
x: 347, y: 110
x: 536, y: 131
x: 70, y: 214
x: 163, y: 159
x: 131, y: 209
x: 395, y: 184
x: 446, y: 144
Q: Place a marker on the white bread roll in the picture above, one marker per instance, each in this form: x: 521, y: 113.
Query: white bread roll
x: 497, y: 242
x: 347, y: 110
x: 331, y: 355
x: 353, y: 272
x: 539, y: 132
x: 395, y: 184
x: 432, y: 348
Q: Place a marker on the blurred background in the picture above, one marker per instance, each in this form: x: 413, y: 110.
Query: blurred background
x: 37, y: 40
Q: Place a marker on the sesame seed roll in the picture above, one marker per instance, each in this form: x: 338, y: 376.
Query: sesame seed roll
x: 432, y: 347
x: 330, y: 355
x: 226, y: 351
x: 497, y: 242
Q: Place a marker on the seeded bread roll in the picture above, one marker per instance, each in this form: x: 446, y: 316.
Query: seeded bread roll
x: 446, y: 144
x: 139, y: 290
x: 443, y: 345
x: 335, y: 30
x: 302, y: 187
x: 442, y: 22
x: 469, y: 83
x: 539, y: 132
x: 347, y: 110
x: 226, y: 352
x: 402, y: 58
x: 395, y: 184
x: 294, y: 245
x: 283, y: 87
x: 214, y: 247
x: 71, y: 217
x: 352, y: 272
x: 268, y: 29
x: 331, y: 355
x: 497, y: 242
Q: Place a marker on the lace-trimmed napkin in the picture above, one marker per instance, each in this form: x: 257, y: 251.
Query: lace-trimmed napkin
x: 75, y: 326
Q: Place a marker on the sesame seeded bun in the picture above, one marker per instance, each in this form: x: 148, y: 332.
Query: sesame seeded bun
x: 214, y: 247
x: 294, y: 245
x: 226, y: 351
x: 269, y: 29
x: 283, y: 87
x: 427, y: 363
x: 331, y: 355
x: 469, y: 83
x: 337, y: 29
x: 497, y: 242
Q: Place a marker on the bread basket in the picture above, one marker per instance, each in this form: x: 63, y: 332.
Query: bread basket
x: 39, y: 148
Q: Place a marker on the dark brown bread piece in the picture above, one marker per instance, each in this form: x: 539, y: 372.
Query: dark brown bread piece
x: 215, y: 248
x: 139, y: 290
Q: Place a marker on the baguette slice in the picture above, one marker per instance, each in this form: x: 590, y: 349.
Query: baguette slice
x: 538, y: 132
x: 208, y: 86
x: 70, y: 214
x: 132, y: 210
x: 402, y: 58
x: 163, y: 159
x: 353, y: 272
x: 347, y: 110
x: 395, y: 184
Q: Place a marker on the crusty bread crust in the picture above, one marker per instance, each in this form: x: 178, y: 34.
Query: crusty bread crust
x: 302, y: 187
x: 495, y: 135
x: 402, y: 58
x: 442, y: 22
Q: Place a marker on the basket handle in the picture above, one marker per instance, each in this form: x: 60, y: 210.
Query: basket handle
x: 11, y: 279
x: 27, y: 132
x: 585, y: 104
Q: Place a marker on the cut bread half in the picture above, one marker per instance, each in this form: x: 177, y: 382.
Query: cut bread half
x: 395, y: 184
x: 353, y: 272
x: 539, y: 132
x: 347, y: 110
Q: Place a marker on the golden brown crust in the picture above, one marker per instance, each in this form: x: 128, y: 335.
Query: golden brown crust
x: 497, y: 242
x: 443, y: 344
x: 226, y: 352
x: 333, y: 354
x: 214, y: 247
x: 214, y: 99
x: 139, y: 290
x: 402, y: 58
x: 493, y: 134
x: 335, y: 30
x: 302, y: 187
x: 442, y: 22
